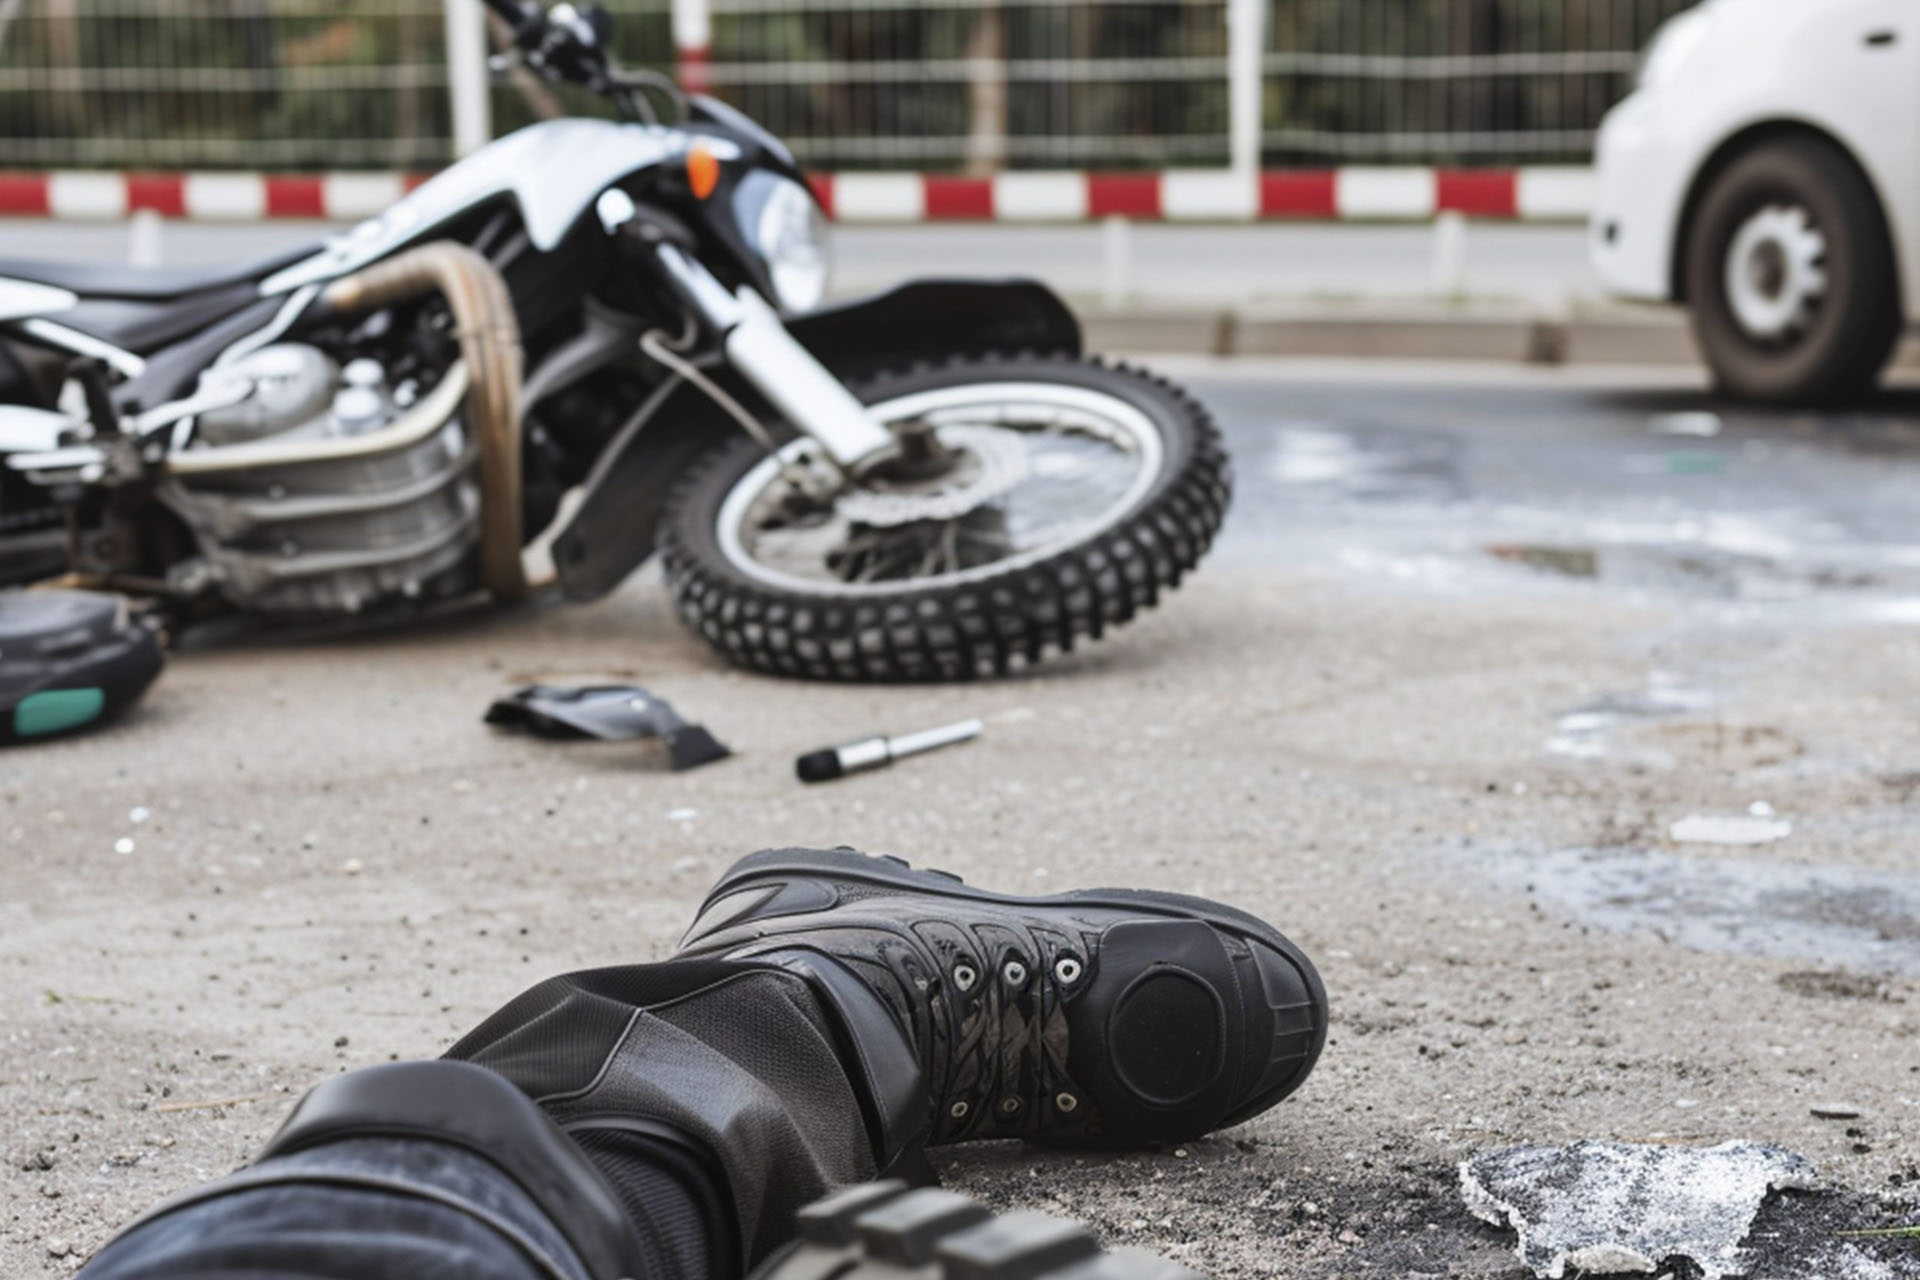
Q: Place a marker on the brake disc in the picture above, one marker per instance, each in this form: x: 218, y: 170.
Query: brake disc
x: 993, y: 460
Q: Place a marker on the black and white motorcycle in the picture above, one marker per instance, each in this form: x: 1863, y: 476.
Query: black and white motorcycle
x: 590, y: 339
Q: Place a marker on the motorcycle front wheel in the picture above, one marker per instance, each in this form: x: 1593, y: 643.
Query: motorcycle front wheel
x: 1065, y: 496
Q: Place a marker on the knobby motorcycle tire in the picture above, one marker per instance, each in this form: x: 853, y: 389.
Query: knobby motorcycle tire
x: 982, y: 627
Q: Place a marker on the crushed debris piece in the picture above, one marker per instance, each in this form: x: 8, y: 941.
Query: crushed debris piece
x: 1733, y: 829
x: 610, y: 713
x: 1604, y: 1208
x: 1835, y: 1110
x: 139, y: 814
x: 123, y: 846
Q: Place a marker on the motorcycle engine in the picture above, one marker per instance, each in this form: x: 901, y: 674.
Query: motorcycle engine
x: 317, y: 485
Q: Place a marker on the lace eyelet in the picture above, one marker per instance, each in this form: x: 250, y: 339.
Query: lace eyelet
x: 1066, y: 1102
x: 1013, y: 973
x: 959, y: 1110
x: 1010, y: 1106
x: 1067, y: 970
x: 964, y: 976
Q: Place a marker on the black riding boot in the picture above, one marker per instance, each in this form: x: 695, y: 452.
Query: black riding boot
x: 751, y: 1087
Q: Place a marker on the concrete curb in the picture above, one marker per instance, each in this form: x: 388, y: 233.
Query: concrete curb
x: 1655, y: 337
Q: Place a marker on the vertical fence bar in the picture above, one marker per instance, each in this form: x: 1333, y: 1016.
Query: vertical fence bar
x: 1246, y: 42
x: 467, y: 87
x: 693, y: 43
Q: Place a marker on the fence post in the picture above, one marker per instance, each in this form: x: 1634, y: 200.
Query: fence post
x: 692, y: 43
x: 467, y: 84
x: 1246, y: 40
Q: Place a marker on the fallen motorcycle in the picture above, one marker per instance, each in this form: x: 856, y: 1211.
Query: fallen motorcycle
x: 584, y: 342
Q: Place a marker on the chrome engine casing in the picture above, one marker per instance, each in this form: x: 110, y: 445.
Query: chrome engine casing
x: 315, y: 504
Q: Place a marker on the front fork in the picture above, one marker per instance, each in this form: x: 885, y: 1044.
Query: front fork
x: 796, y: 384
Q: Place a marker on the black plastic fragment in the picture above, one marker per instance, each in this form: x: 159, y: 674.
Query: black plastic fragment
x: 610, y: 713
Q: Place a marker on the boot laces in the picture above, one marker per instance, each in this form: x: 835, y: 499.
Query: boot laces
x: 1006, y: 1059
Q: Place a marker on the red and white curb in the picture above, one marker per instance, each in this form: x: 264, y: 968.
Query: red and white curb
x: 1399, y: 193
x: 1203, y: 195
x: 208, y: 197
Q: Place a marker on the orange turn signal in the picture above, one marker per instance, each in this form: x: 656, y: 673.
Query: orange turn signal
x: 703, y: 171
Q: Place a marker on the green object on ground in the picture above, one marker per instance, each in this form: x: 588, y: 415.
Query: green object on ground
x: 55, y: 710
x: 1693, y: 462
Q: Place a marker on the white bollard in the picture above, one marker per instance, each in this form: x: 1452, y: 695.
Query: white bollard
x: 1449, y: 254
x: 1116, y: 260
x: 143, y: 238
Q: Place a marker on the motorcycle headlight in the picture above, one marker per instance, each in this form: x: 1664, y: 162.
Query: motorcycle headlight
x: 785, y: 227
x: 1678, y: 38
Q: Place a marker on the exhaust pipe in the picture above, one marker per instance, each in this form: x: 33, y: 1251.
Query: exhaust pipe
x: 489, y: 336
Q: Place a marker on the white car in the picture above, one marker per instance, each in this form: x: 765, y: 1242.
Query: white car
x: 1765, y: 173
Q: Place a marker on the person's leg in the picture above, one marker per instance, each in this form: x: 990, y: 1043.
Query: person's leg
x: 410, y: 1171
x: 664, y: 1121
x: 831, y: 1014
x: 759, y: 1085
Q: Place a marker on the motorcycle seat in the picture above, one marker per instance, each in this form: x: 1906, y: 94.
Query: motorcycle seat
x: 146, y: 284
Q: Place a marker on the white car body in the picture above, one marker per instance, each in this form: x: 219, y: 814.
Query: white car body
x: 1845, y: 69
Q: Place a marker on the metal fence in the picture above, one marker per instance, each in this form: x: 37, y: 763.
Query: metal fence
x: 891, y: 84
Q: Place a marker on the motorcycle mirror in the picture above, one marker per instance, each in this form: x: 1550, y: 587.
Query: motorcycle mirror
x: 601, y: 21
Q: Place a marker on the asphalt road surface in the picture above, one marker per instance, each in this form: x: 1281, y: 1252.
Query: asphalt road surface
x: 1472, y: 644
x: 1163, y: 263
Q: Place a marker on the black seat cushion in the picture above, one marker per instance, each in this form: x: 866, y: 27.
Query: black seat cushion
x: 144, y: 327
x: 146, y: 284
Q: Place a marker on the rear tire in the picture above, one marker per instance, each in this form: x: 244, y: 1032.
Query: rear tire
x: 993, y: 622
x: 1790, y: 276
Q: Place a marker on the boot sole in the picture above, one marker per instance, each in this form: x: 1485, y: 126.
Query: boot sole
x: 864, y: 868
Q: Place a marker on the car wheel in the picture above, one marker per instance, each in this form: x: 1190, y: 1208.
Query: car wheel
x: 1790, y: 275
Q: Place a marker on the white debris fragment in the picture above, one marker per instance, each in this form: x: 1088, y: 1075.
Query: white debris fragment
x: 123, y: 846
x: 139, y: 814
x: 1602, y: 1208
x: 1720, y: 828
x: 351, y: 867
x: 1760, y: 809
x: 1698, y: 424
x: 682, y: 815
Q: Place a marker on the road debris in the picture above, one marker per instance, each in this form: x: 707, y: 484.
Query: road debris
x: 611, y: 713
x: 829, y: 763
x: 1698, y: 423
x: 1730, y: 829
x: 209, y: 1104
x: 1835, y: 1110
x: 1569, y: 562
x: 1605, y: 1208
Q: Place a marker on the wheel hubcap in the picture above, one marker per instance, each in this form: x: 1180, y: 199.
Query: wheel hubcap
x: 1776, y: 275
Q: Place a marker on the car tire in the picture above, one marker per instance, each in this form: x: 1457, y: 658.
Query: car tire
x: 1790, y: 276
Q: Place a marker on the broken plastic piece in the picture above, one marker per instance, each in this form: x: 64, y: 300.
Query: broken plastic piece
x: 611, y: 713
x: 69, y: 659
x: 1604, y: 1208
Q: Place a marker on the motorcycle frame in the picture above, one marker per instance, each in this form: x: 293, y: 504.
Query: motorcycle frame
x: 557, y: 178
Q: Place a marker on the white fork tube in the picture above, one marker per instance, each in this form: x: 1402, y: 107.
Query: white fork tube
x: 757, y: 344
